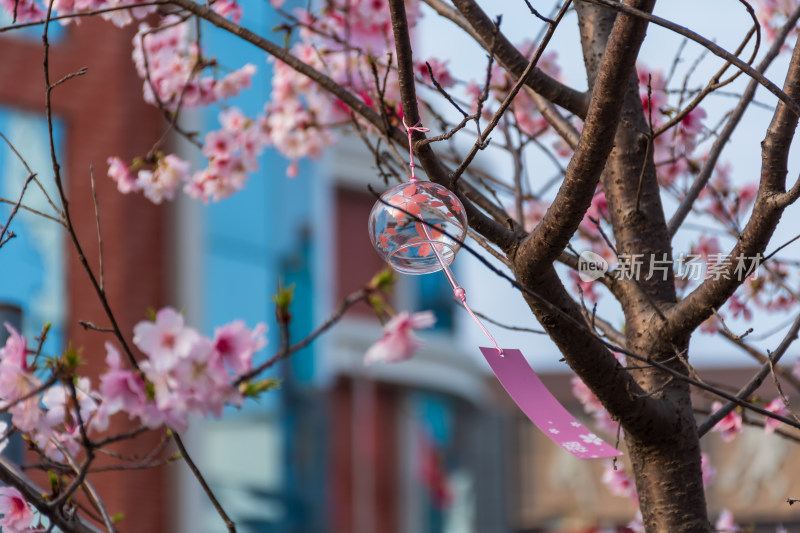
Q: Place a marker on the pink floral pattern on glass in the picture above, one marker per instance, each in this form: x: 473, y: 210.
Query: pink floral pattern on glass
x: 416, y: 222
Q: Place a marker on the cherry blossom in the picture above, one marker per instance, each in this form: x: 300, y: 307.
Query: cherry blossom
x: 17, y: 381
x: 728, y: 427
x: 235, y: 345
x: 692, y: 124
x: 183, y: 373
x: 587, y: 288
x: 229, y: 9
x: 653, y: 90
x: 187, y: 372
x: 777, y: 407
x: 725, y: 523
x: 398, y: 342
x: 120, y: 172
x: 707, y: 247
x: 161, y: 183
x: 17, y: 514
x: 121, y: 389
x: 440, y: 72
x: 739, y: 308
x: 619, y: 482
x: 24, y: 10
x: 165, y: 340
x: 593, y: 406
x: 170, y: 65
x: 60, y: 404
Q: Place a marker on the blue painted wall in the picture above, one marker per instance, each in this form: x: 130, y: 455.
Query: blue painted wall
x: 253, y: 241
x: 258, y: 237
x: 32, y: 264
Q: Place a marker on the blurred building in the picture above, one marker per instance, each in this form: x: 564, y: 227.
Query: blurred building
x: 340, y: 448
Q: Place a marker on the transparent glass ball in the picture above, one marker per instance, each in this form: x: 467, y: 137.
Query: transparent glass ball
x: 408, y: 245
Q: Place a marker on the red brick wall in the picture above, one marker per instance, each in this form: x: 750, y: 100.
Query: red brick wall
x: 103, y: 114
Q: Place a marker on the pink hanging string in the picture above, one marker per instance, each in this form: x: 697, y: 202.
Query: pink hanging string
x: 458, y: 291
x: 409, y: 132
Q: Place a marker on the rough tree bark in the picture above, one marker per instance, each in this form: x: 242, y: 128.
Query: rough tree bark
x: 662, y: 439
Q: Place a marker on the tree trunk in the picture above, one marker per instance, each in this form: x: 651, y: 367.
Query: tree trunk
x: 669, y: 480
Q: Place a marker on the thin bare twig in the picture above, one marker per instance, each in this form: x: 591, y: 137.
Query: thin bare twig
x: 14, y: 210
x: 754, y: 382
x: 352, y: 299
x: 537, y: 14
x: 63, y: 196
x: 710, y: 45
x: 484, y: 139
x: 200, y: 479
x: 36, y: 180
x: 99, y: 233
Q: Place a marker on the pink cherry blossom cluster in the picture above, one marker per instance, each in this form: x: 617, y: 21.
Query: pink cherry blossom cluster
x: 17, y: 514
x: 773, y: 14
x: 301, y: 114
x: 398, y: 342
x: 232, y: 152
x: 31, y: 11
x: 36, y: 411
x: 678, y: 155
x: 619, y: 482
x: 299, y: 119
x: 170, y: 64
x: 157, y: 184
x: 527, y: 118
x: 673, y: 151
x: 337, y: 41
x: 23, y: 10
x: 228, y: 9
x: 725, y: 202
x: 184, y: 373
x: 731, y: 425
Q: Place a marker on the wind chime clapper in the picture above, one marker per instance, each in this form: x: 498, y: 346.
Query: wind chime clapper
x: 417, y: 228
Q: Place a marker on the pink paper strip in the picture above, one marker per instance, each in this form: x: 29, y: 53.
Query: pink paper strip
x: 530, y: 394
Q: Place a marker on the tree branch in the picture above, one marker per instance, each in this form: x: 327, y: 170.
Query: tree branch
x: 436, y: 172
x: 562, y: 218
x: 722, y: 139
x: 710, y: 45
x: 753, y: 240
x: 515, y: 63
x: 433, y: 166
x: 483, y: 140
x: 755, y: 382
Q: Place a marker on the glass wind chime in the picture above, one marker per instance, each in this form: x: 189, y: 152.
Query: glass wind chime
x: 417, y: 228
